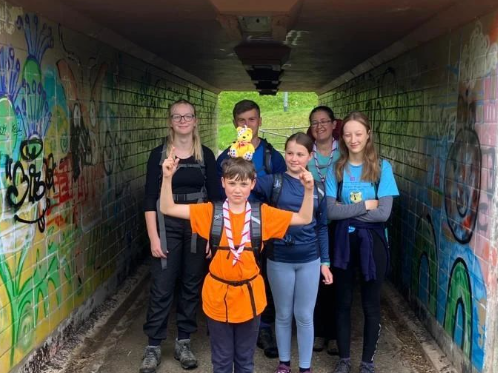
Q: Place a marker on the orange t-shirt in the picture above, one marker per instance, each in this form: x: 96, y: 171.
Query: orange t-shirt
x: 223, y: 302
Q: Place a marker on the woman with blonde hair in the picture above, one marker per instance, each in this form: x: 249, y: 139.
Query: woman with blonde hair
x: 178, y: 257
x: 360, y: 190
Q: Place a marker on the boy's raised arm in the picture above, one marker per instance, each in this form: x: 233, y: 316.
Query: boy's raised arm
x: 305, y: 214
x: 166, y: 202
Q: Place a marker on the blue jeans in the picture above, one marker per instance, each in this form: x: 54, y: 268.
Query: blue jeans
x: 294, y: 287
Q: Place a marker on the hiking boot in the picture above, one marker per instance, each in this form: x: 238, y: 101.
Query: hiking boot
x: 267, y: 343
x: 343, y: 366
x: 318, y: 344
x: 184, y: 354
x: 151, y: 359
x: 367, y: 367
x: 332, y: 347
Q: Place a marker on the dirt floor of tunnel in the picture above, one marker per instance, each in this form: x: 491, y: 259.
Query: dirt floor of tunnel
x: 410, y: 348
x: 117, y: 344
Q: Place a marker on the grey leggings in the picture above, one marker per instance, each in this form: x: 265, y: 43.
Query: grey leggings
x: 294, y: 287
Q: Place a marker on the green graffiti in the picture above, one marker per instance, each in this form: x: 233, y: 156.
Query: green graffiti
x: 459, y: 294
x: 24, y: 293
x: 425, y: 246
x: 8, y: 129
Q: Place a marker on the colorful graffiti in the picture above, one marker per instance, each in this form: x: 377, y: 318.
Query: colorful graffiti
x: 439, y: 131
x: 73, y: 145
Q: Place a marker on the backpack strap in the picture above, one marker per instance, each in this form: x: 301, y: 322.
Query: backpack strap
x: 216, y: 227
x: 160, y: 217
x: 276, y: 189
x: 339, y: 191
x: 376, y: 185
x: 255, y: 227
x: 256, y: 231
x: 268, y: 149
x: 198, y: 197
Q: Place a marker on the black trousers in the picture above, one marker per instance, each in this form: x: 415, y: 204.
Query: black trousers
x: 324, y: 317
x: 370, y: 297
x: 268, y: 315
x: 184, y: 276
x: 233, y: 345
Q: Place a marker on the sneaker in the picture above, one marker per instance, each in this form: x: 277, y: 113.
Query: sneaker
x: 306, y: 371
x: 367, y: 367
x: 151, y: 359
x: 318, y: 344
x: 332, y: 347
x: 343, y: 366
x: 267, y: 343
x: 282, y: 368
x: 184, y: 354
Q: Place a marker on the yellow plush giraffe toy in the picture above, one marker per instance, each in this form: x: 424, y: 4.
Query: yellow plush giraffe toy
x: 242, y: 147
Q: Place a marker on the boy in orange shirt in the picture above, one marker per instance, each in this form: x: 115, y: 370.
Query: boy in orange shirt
x: 233, y: 295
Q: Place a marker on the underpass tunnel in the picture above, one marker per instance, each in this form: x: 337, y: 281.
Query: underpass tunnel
x: 84, y: 94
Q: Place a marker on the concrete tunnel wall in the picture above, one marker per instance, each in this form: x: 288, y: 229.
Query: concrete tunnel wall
x: 434, y: 112
x: 77, y: 122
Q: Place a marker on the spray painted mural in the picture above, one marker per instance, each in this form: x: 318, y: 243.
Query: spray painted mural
x: 435, y: 117
x: 73, y: 145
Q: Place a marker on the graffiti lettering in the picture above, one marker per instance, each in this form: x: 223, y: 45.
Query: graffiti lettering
x: 29, y: 186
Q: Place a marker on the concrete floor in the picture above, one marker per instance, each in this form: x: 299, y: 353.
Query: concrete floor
x: 118, y: 345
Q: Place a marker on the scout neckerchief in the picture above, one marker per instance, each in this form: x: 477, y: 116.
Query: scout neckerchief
x: 334, y: 147
x: 228, y: 231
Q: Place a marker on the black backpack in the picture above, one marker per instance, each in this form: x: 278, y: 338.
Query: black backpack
x: 199, y: 165
x: 255, y: 229
x: 267, y: 157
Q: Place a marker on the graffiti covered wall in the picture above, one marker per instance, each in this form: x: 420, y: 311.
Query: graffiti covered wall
x: 434, y: 112
x: 77, y: 122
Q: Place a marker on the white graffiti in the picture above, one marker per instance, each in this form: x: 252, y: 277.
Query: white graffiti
x: 479, y: 57
x: 8, y: 17
x: 15, y: 237
x: 294, y: 37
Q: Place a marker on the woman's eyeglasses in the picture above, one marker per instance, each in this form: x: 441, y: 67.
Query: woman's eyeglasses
x: 322, y: 123
x: 178, y: 118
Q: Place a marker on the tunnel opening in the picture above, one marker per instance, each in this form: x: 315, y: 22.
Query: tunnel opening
x: 283, y: 114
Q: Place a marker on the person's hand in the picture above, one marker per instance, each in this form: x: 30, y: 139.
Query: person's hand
x: 155, y: 249
x: 209, y: 254
x: 328, y: 278
x: 371, y: 204
x: 306, y: 178
x: 170, y: 164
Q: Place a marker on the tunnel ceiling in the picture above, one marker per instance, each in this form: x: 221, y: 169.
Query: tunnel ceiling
x: 295, y: 45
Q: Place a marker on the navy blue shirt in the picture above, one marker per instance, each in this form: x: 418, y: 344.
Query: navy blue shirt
x: 277, y: 164
x: 301, y: 243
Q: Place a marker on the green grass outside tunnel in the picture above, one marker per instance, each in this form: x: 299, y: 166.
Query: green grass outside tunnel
x: 272, y: 111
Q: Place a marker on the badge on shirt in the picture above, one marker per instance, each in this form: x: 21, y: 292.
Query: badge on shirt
x: 355, y: 197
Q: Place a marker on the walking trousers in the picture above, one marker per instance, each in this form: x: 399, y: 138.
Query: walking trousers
x: 183, y: 275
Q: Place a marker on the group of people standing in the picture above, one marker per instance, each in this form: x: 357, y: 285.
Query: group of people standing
x: 269, y: 240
